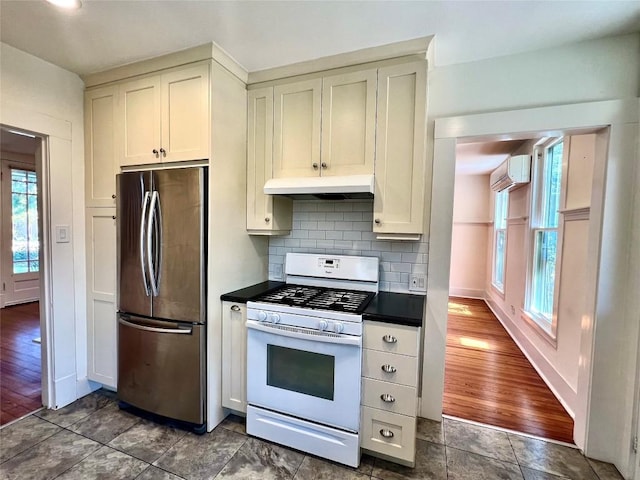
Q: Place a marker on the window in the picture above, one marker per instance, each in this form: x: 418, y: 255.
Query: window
x: 24, y: 221
x: 547, y: 185
x: 501, y: 202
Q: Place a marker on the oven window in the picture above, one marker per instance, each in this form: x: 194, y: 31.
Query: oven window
x: 300, y: 371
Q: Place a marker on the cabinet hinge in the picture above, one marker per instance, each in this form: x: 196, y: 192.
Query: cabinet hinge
x: 4, y: 287
x: 634, y: 444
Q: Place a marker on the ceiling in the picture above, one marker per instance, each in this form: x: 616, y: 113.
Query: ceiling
x: 264, y: 34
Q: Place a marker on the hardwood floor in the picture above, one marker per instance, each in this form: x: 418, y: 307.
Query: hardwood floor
x: 20, y: 371
x: 489, y: 380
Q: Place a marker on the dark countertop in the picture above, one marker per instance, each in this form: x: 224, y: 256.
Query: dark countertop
x: 245, y: 294
x: 398, y: 308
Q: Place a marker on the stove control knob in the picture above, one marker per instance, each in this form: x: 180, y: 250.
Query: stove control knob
x: 323, y: 325
x: 338, y: 327
x: 274, y: 318
x: 262, y: 316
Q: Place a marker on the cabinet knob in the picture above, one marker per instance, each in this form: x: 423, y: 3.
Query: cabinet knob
x: 387, y: 397
x: 324, y: 165
x: 163, y: 152
x: 155, y: 152
x: 267, y: 219
x: 113, y: 195
x: 377, y: 221
x: 315, y: 166
x: 389, y: 339
x: 235, y: 308
x: 386, y: 433
x: 113, y: 217
x: 388, y: 368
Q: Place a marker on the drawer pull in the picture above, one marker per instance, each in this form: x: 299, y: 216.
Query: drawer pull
x: 390, y: 339
x: 235, y: 308
x: 386, y: 433
x: 386, y: 397
x: 388, y: 368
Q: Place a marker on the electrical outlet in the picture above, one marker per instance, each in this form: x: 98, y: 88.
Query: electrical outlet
x: 418, y: 282
x: 277, y: 271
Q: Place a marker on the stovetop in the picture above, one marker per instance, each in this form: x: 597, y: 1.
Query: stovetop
x: 319, y: 298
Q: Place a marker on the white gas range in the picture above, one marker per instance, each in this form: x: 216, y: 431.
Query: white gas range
x: 304, y: 355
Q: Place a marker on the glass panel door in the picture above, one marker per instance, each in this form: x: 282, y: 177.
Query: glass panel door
x: 25, y: 246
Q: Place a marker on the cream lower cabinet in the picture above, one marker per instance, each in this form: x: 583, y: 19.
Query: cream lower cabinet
x: 390, y: 391
x: 164, y: 118
x: 101, y: 295
x: 266, y: 214
x: 234, y: 356
x: 101, y: 163
x: 399, y: 199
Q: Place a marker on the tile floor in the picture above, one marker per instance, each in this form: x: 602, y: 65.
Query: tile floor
x: 92, y: 438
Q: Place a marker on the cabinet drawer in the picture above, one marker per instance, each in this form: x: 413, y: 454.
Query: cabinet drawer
x: 404, y: 370
x: 397, y: 398
x: 389, y: 434
x: 390, y: 338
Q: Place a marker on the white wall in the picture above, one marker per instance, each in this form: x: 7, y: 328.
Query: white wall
x: 470, y: 236
x: 41, y: 97
x: 584, y: 72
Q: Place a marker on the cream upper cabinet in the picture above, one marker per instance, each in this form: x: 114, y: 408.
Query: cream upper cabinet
x: 348, y: 123
x: 399, y: 197
x: 100, y: 106
x: 266, y: 214
x: 101, y: 295
x: 296, y: 132
x: 165, y: 118
x: 325, y: 126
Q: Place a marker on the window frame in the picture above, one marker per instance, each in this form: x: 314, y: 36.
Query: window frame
x: 547, y: 326
x: 499, y: 287
x: 28, y: 170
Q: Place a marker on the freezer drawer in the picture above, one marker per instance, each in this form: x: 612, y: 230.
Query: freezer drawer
x: 161, y: 367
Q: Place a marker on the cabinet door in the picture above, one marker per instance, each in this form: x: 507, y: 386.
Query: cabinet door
x: 185, y: 114
x: 101, y: 164
x: 266, y: 214
x: 296, y: 132
x: 234, y: 356
x: 139, y: 114
x: 400, y: 145
x: 348, y: 123
x: 101, y: 295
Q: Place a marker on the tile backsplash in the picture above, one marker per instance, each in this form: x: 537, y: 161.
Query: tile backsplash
x: 344, y: 227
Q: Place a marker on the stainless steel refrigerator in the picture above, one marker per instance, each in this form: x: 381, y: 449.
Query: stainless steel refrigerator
x: 161, y: 218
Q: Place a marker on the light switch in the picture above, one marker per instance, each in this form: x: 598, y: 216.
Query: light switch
x: 63, y: 234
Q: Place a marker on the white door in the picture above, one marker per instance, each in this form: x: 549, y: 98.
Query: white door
x: 20, y: 243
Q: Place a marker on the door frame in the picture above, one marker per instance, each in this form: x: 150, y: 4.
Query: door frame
x: 63, y: 364
x: 599, y: 415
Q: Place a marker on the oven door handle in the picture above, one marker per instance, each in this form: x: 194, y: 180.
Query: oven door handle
x: 304, y: 334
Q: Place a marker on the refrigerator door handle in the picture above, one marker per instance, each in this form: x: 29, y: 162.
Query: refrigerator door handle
x: 153, y: 243
x: 143, y: 269
x: 178, y: 331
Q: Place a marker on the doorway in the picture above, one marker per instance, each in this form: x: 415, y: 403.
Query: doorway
x: 20, y: 265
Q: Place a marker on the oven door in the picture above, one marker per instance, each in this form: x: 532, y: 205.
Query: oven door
x: 306, y: 373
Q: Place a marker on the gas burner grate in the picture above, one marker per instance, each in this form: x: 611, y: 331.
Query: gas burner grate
x: 291, y: 295
x: 319, y: 298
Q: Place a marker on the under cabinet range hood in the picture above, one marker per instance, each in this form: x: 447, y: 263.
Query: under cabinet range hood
x: 328, y: 188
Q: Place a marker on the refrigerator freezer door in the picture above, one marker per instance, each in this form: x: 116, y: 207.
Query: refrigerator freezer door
x: 132, y: 203
x: 177, y: 262
x: 161, y: 367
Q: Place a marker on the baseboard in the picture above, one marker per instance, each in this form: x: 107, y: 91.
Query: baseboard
x: 558, y: 386
x: 64, y: 391
x: 466, y: 293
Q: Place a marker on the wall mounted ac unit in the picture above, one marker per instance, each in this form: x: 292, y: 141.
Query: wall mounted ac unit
x: 511, y: 173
